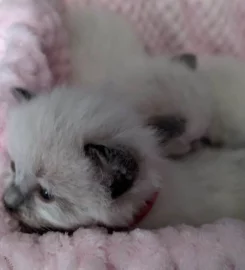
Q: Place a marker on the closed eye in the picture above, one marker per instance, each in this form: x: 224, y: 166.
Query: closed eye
x: 12, y: 166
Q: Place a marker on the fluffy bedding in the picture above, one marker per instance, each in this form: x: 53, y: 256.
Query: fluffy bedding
x: 34, y: 54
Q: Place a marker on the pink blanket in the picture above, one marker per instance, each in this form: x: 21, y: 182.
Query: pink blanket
x: 33, y: 54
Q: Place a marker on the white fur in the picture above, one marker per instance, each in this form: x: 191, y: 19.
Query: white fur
x: 106, y: 52
x: 49, y: 134
x: 160, y: 87
x: 101, y: 41
x: 207, y: 186
x: 226, y: 77
x: 52, y: 130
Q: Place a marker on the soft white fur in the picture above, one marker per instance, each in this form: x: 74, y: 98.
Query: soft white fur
x: 162, y: 87
x: 207, y: 185
x: 52, y: 131
x: 102, y: 42
x: 226, y: 77
x: 106, y: 52
x: 200, y: 189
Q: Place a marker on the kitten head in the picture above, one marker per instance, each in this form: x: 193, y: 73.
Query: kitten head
x: 79, y: 158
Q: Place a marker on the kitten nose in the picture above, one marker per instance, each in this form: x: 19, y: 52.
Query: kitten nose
x: 12, y: 198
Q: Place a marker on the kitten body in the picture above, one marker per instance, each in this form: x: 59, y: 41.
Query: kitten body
x: 201, y: 189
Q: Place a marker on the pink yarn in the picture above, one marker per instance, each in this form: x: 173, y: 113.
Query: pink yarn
x: 34, y: 54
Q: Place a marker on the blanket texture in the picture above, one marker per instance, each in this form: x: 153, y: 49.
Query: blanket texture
x: 34, y: 54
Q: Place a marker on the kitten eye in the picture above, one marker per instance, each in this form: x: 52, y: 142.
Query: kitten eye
x: 12, y: 166
x: 45, y: 195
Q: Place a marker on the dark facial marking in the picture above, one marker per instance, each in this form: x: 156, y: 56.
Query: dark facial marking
x: 208, y: 143
x: 118, y: 164
x: 168, y: 127
x: 189, y: 59
x: 12, y: 166
x: 22, y: 94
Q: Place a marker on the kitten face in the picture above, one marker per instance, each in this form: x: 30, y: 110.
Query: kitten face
x: 166, y: 90
x: 79, y: 158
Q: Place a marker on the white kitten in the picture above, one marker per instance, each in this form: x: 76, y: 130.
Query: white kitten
x: 79, y: 159
x: 161, y: 89
x: 106, y: 52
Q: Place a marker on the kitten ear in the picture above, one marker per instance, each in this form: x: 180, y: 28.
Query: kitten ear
x: 117, y: 164
x: 189, y: 59
x: 168, y: 127
x: 22, y: 95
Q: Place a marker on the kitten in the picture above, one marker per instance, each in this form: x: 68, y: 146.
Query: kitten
x: 167, y: 95
x: 107, y: 53
x: 206, y: 92
x: 79, y: 159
